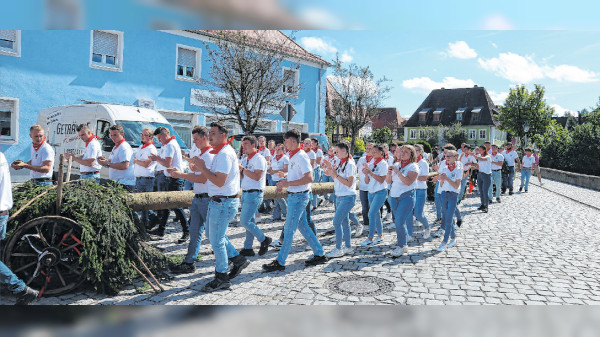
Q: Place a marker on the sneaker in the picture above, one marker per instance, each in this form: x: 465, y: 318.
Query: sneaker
x: 438, y: 233
x: 315, y: 260
x: 366, y: 243
x: 307, y: 248
x: 459, y: 222
x: 391, y: 226
x: 409, y: 238
x: 275, y: 243
x: 426, y: 233
x: 359, y: 230
x: 335, y: 253
x: 520, y: 189
x: 510, y: 193
x: 264, y: 246
x: 183, y: 268
x: 160, y: 232
x: 485, y: 210
x: 348, y: 251
x: 498, y: 199
x: 388, y: 217
x: 221, y: 281
x: 184, y: 237
x: 525, y: 191
x: 442, y: 247
x: 399, y: 251
x: 239, y: 263
x: 451, y: 244
x: 273, y: 266
x: 247, y: 252
x: 541, y: 183
x: 481, y: 208
x: 437, y: 221
x: 377, y: 240
x: 26, y: 296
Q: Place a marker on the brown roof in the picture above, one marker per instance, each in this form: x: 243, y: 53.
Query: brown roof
x: 271, y: 37
x: 331, y: 94
x: 389, y: 117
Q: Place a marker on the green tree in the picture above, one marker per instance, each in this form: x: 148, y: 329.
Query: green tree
x: 523, y: 106
x: 555, y: 146
x: 359, y: 144
x: 383, y: 135
x: 585, y: 146
x: 330, y: 126
x: 455, y: 135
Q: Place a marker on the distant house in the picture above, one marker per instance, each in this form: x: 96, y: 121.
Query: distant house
x: 390, y: 118
x: 472, y: 107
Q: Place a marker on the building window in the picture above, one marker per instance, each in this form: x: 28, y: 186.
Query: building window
x: 475, y: 114
x: 9, y: 118
x: 107, y: 50
x: 483, y: 134
x: 459, y: 113
x: 10, y: 42
x: 413, y: 133
x: 188, y: 61
x: 472, y: 134
x: 422, y: 133
x: 423, y: 115
x: 291, y: 79
x: 437, y: 114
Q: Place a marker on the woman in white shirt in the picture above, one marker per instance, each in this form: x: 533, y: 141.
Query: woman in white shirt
x: 484, y: 177
x: 402, y: 176
x: 421, y: 191
x: 526, y: 167
x: 449, y: 177
x: 375, y: 173
x: 344, y: 187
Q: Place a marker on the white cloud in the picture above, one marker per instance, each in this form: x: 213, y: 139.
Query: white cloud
x: 571, y: 74
x: 497, y: 22
x: 461, y: 50
x: 513, y: 67
x: 317, y: 45
x: 498, y: 97
x: 321, y: 18
x: 427, y: 84
x: 346, y: 57
x: 560, y: 111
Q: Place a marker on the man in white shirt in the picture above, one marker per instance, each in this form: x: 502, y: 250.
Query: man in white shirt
x: 42, y: 158
x: 7, y: 277
x: 199, y: 208
x: 312, y: 156
x: 89, y: 168
x: 497, y: 161
x: 120, y: 166
x: 253, y: 170
x: 511, y: 157
x: 363, y: 187
x: 317, y: 172
x: 144, y: 169
x: 169, y: 157
x: 467, y: 160
x: 266, y: 153
x: 298, y: 183
x: 279, y: 163
x: 223, y: 176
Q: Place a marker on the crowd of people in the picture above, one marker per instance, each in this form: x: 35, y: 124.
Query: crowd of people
x: 226, y: 183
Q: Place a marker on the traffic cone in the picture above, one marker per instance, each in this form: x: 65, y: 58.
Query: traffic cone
x: 470, y: 186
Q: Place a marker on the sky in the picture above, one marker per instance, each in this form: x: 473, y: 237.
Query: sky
x: 565, y: 62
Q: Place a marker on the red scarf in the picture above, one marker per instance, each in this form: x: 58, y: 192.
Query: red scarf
x: 272, y: 152
x: 260, y: 148
x: 342, y: 161
x: 419, y: 158
x: 509, y: 151
x: 92, y: 138
x: 168, y: 140
x: 452, y: 167
x: 494, y: 154
x: 331, y: 157
x: 292, y: 153
x: 147, y: 144
x: 119, y: 143
x: 369, y: 158
x: 316, y: 148
x: 250, y: 155
x: 204, y: 149
x: 378, y: 160
x: 278, y: 157
x: 37, y: 147
x: 218, y: 149
x: 403, y: 163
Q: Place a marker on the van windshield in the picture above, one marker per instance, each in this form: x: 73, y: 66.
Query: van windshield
x: 133, y: 130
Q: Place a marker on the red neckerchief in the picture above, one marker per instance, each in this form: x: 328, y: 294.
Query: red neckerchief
x: 119, y: 143
x: 403, y: 163
x: 217, y: 149
x: 369, y: 158
x: 168, y: 140
x: 204, y: 149
x: 316, y: 148
x: 278, y: 157
x: 37, y: 147
x: 292, y: 153
x: 272, y: 152
x: 419, y: 158
x: 331, y: 157
x: 452, y: 167
x: 90, y: 140
x: 509, y: 151
x: 260, y: 148
x: 250, y: 155
x: 147, y: 144
x: 378, y: 160
x: 494, y: 154
x: 342, y: 161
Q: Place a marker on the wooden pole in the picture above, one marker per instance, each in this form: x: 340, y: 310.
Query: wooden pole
x: 69, y: 169
x: 61, y: 173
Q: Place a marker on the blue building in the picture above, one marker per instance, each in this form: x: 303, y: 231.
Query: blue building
x: 156, y: 69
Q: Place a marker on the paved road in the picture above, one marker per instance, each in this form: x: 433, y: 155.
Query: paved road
x: 533, y: 248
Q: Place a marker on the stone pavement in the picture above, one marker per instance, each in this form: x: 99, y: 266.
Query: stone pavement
x: 532, y: 248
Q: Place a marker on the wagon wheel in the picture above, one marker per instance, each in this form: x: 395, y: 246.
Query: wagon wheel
x: 45, y: 253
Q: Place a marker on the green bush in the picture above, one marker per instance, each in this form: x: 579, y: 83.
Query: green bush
x: 359, y: 144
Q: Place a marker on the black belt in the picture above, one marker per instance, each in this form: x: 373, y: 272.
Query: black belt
x: 3, y: 213
x: 201, y: 195
x: 297, y: 192
x: 250, y: 191
x: 144, y: 177
x: 217, y: 198
x: 497, y: 170
x: 86, y: 173
x: 158, y: 172
x: 40, y: 180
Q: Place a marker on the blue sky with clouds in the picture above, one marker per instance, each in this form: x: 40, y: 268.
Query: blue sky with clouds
x: 565, y: 62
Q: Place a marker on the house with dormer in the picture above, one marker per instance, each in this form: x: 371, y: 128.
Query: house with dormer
x: 472, y: 107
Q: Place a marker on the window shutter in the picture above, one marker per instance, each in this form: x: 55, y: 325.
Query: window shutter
x: 10, y: 35
x: 186, y: 58
x: 105, y: 43
x: 6, y: 105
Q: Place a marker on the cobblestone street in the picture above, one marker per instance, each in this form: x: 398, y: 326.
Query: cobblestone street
x: 532, y: 248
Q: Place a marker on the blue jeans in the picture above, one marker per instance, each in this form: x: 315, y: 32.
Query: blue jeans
x: 198, y: 217
x: 376, y: 200
x: 525, y: 175
x: 165, y: 183
x: 438, y: 201
x: 449, y: 200
x: 509, y: 179
x: 402, y: 208
x: 420, y: 198
x: 341, y: 220
x: 143, y: 184
x: 94, y: 176
x: 311, y: 223
x: 497, y: 181
x: 296, y: 219
x: 250, y: 202
x: 317, y: 175
x: 331, y: 196
x: 7, y: 277
x: 364, y: 202
x: 220, y: 215
x: 463, y: 187
x: 279, y: 205
x: 484, y: 181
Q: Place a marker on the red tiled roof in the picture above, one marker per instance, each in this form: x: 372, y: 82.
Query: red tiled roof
x: 389, y: 117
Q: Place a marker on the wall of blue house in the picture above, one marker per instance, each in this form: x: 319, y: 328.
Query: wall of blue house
x: 54, y: 70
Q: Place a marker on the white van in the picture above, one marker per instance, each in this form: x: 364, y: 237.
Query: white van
x: 61, y: 123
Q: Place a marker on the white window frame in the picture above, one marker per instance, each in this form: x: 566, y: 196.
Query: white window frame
x: 472, y: 134
x: 460, y: 113
x: 14, y: 123
x: 413, y: 133
x: 120, y: 46
x: 16, y: 51
x: 485, y: 134
x: 422, y: 133
x: 296, y: 82
x: 198, y: 63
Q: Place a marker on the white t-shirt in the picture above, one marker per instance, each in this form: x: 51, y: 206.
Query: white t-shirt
x: 454, y: 175
x: 528, y: 161
x: 92, y: 150
x: 172, y: 149
x: 398, y: 187
x: 208, y: 157
x: 497, y: 157
x: 390, y: 159
x: 142, y: 154
x: 266, y: 153
x: 464, y: 159
x: 362, y: 185
x: 257, y: 163
x: 120, y: 154
x: 299, y: 165
x: 380, y: 170
x: 318, y: 154
x: 312, y: 156
x: 425, y: 155
x: 45, y: 153
x: 485, y: 166
x: 348, y: 169
x: 423, y: 171
x: 442, y: 164
x: 225, y: 161
x: 510, y: 157
x: 6, y: 200
x: 278, y: 165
